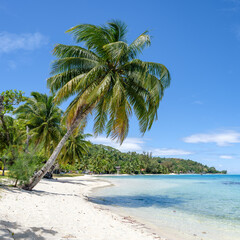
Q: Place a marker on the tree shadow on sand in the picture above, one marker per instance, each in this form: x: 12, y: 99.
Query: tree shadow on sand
x: 12, y: 230
x: 137, y: 201
x: 42, y: 193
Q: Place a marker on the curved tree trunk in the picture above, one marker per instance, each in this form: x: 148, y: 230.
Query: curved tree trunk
x: 3, y: 168
x: 28, y: 138
x: 39, y: 175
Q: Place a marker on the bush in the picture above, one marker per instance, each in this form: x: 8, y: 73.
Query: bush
x: 67, y: 167
x: 23, y: 168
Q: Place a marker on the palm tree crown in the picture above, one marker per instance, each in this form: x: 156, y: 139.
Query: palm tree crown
x: 75, y: 147
x: 108, y: 77
x: 105, y: 78
x: 42, y: 117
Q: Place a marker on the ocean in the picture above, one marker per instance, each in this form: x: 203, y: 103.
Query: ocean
x: 180, y: 207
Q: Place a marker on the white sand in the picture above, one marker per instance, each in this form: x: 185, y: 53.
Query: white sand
x: 58, y: 209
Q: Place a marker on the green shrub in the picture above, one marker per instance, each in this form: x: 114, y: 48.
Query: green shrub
x: 67, y: 167
x: 24, y: 167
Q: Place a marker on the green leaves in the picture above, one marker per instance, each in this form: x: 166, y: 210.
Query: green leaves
x: 65, y: 51
x: 116, y: 51
x: 75, y: 147
x: 24, y: 167
x: 118, y: 30
x: 11, y: 98
x: 108, y: 76
x: 43, y: 118
x: 71, y: 63
x: 138, y: 45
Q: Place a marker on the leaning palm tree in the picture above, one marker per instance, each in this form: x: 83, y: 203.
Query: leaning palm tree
x: 43, y: 118
x: 106, y: 78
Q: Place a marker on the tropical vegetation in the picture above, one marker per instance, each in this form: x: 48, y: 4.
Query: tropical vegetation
x: 106, y: 79
x: 104, y: 160
x: 103, y: 76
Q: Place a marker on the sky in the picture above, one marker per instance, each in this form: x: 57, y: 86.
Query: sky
x: 198, y: 41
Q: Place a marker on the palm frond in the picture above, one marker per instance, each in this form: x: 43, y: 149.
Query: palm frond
x: 116, y: 50
x: 138, y: 45
x: 93, y: 36
x: 108, y: 76
x: 66, y: 51
x: 71, y: 63
x: 118, y: 30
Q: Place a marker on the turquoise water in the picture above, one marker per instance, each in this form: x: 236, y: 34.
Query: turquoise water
x: 188, y: 206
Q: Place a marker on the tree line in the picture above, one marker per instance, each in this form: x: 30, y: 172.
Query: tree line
x: 105, y: 159
x: 30, y: 132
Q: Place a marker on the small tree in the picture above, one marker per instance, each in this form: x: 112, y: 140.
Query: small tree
x: 24, y: 167
x: 8, y: 100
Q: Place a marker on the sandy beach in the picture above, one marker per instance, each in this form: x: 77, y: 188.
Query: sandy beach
x: 59, y: 209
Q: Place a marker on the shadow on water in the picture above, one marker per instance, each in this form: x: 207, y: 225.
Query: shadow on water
x: 137, y: 201
x: 231, y: 183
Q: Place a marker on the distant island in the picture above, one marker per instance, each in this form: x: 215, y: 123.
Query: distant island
x: 102, y: 159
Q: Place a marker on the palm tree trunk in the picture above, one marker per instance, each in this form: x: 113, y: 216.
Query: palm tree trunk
x: 39, y: 175
x: 3, y: 169
x: 28, y: 138
x: 52, y: 168
x: 5, y: 129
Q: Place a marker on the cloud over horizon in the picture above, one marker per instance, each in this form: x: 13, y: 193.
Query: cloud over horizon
x: 169, y: 152
x: 138, y: 145
x: 225, y: 157
x: 10, y: 42
x: 130, y: 144
x: 221, y: 139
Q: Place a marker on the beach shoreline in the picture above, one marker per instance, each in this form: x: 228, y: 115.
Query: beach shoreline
x: 166, y: 232
x: 59, y: 209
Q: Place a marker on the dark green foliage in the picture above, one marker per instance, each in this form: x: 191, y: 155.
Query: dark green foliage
x: 24, y: 167
x: 104, y: 159
x: 9, y: 140
x: 75, y: 147
x: 43, y: 118
x: 36, y: 130
x: 108, y: 76
x: 11, y: 98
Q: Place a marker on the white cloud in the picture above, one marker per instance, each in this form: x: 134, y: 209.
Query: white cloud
x: 169, y: 152
x: 137, y: 145
x: 29, y: 41
x: 221, y: 139
x: 225, y: 157
x: 130, y: 144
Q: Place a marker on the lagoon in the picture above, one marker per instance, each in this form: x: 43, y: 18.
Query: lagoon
x: 183, y: 206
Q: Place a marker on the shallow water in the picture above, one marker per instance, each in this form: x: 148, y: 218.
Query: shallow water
x: 191, y: 206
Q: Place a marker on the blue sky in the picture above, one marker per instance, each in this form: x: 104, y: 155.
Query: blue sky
x: 198, y: 41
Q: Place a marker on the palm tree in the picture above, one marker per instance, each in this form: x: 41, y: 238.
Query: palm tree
x: 75, y: 147
x: 106, y: 76
x: 43, y: 117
